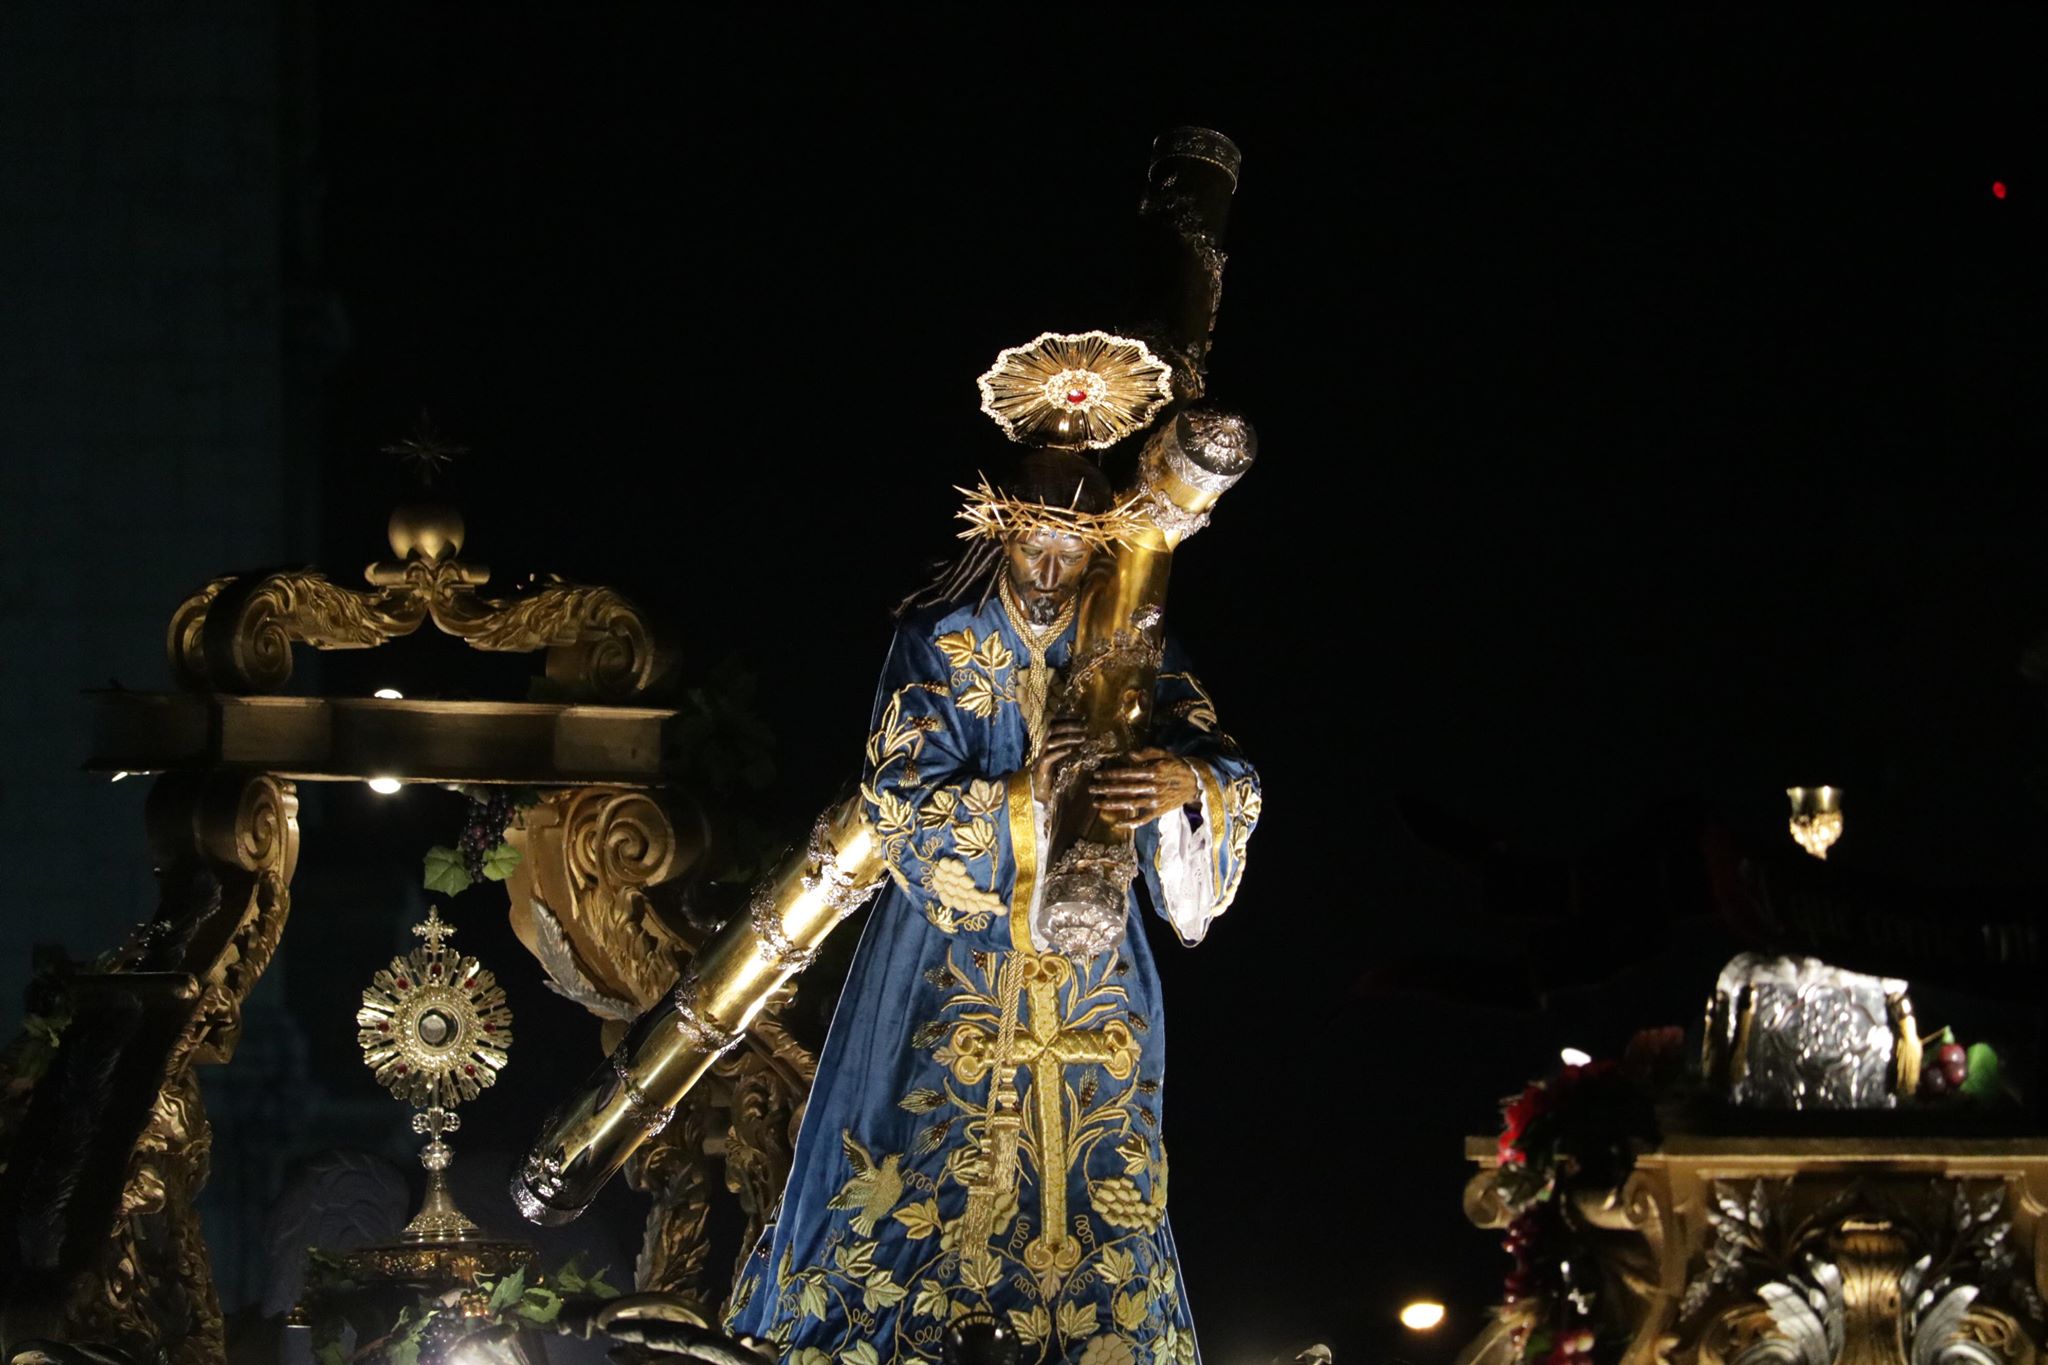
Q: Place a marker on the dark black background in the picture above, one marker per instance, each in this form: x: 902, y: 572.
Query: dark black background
x: 1650, y: 407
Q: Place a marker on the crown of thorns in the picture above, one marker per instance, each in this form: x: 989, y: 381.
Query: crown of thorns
x: 992, y: 514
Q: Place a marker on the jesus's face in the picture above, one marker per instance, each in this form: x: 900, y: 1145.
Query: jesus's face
x: 1045, y: 569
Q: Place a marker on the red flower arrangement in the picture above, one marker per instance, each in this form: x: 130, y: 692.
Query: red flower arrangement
x: 1578, y: 1130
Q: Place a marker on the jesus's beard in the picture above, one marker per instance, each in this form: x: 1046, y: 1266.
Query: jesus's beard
x: 1043, y: 611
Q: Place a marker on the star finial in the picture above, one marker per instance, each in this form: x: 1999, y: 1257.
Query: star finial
x: 435, y: 930
x: 426, y: 450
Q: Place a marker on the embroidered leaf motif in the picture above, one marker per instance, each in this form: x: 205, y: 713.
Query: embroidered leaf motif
x: 958, y: 647
x: 1139, y: 1022
x: 939, y: 976
x: 1134, y: 1152
x: 994, y: 655
x: 1034, y: 1326
x: 979, y: 1269
x: 855, y: 1259
x: 921, y: 1101
x: 928, y: 1033
x: 934, y: 1137
x: 930, y: 1301
x: 810, y: 1355
x: 1117, y: 1266
x: 1078, y: 1320
x: 811, y: 1301
x: 920, y: 1220
x: 893, y: 814
x: 1129, y: 1311
x: 977, y: 840
x: 938, y: 808
x: 978, y: 698
x: 1087, y: 1092
x: 1148, y: 1087
x: 984, y: 797
x: 894, y: 735
x: 881, y: 1291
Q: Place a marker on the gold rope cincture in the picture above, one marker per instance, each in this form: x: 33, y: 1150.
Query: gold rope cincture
x: 1002, y: 1121
x: 1034, y: 686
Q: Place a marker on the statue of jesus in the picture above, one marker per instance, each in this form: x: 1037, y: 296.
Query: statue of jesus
x: 985, y: 1136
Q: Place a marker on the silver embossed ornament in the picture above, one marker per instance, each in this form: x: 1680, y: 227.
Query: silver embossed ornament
x: 1796, y: 1033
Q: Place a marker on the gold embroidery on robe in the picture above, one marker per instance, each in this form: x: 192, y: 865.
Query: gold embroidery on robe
x: 957, y: 899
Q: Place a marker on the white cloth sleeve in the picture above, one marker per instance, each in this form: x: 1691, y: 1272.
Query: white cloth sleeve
x: 1186, y: 864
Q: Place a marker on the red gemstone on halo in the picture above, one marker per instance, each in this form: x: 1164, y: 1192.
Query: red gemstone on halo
x: 402, y: 1068
x: 1077, y: 395
x: 490, y: 1028
x: 383, y: 1028
x: 469, y: 1071
x: 403, y: 984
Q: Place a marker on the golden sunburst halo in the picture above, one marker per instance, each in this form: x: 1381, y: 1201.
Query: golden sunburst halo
x: 1075, y: 389
x: 434, y: 1027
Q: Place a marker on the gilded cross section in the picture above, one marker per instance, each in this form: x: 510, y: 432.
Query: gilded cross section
x: 1044, y: 1040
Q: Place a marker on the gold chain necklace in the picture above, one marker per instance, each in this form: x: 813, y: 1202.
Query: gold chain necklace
x: 1034, y: 683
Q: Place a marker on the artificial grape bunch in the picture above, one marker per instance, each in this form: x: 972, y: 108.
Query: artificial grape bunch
x: 1524, y: 1279
x: 1944, y: 1070
x: 485, y: 828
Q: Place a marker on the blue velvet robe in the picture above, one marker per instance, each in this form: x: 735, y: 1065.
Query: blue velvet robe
x: 875, y: 1247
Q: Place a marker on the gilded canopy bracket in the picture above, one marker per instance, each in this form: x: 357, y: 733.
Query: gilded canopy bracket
x: 237, y: 633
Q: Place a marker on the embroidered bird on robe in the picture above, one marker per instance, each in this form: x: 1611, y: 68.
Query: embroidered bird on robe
x: 873, y: 1189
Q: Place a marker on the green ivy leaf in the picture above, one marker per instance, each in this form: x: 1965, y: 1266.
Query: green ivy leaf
x: 404, y: 1352
x: 500, y: 862
x: 1982, y: 1082
x: 570, y: 1276
x: 445, y: 872
x: 597, y: 1285
x: 507, y: 1291
x: 330, y: 1353
x: 539, y: 1305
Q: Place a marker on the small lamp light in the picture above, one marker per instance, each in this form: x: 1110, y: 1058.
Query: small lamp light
x: 1816, y: 818
x: 1424, y: 1315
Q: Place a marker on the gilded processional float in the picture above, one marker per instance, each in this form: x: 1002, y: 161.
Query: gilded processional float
x: 1826, y: 1178
x: 1044, y: 768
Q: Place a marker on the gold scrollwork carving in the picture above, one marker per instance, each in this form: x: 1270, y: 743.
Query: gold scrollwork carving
x: 237, y: 634
x: 140, y: 1281
x: 250, y: 629
x: 584, y: 897
x: 187, y: 635
x: 673, y: 1170
x: 767, y: 1082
